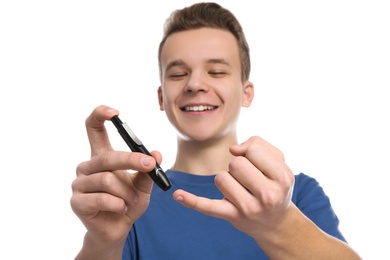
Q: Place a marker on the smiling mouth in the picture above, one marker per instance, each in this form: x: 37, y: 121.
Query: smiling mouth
x: 198, y: 108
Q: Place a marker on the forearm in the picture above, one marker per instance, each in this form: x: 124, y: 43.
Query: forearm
x: 96, y: 251
x: 297, y: 237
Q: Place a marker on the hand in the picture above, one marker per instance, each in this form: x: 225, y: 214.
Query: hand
x: 257, y: 190
x: 106, y: 197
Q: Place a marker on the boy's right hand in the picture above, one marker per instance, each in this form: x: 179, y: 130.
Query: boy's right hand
x: 106, y: 197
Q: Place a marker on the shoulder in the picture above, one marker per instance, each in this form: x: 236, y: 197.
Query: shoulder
x: 308, y: 192
x: 304, y: 181
x: 312, y: 200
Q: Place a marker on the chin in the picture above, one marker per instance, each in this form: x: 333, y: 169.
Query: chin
x: 198, y: 137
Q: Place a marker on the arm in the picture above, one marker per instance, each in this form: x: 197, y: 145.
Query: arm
x: 297, y: 237
x: 257, y: 200
x: 106, y: 197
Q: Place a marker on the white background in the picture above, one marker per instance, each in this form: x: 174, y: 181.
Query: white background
x: 321, y: 71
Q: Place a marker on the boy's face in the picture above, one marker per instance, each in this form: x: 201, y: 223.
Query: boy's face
x: 202, y: 91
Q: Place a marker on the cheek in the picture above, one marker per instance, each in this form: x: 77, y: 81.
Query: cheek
x: 236, y: 102
x: 167, y: 102
x: 235, y: 96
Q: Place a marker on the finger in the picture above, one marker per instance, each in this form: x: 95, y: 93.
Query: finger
x: 247, y: 175
x: 118, y: 184
x: 157, y: 156
x: 114, y: 161
x: 223, y: 209
x: 265, y: 157
x: 117, y: 160
x: 97, y: 133
x: 92, y: 203
x: 142, y: 180
x: 233, y: 190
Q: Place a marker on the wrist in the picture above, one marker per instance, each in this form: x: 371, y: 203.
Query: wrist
x: 93, y: 249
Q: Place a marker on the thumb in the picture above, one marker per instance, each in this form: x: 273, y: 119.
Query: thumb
x: 97, y: 133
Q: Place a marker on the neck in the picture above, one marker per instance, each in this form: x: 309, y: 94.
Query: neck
x: 204, y: 158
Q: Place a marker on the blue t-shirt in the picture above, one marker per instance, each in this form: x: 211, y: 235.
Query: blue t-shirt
x: 170, y: 231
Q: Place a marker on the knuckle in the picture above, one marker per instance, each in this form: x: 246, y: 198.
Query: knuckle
x: 272, y: 197
x: 236, y: 163
x: 288, y: 179
x: 129, y: 159
x: 236, y: 216
x: 104, y: 159
x: 107, y: 179
x: 258, y: 144
x: 76, y: 203
x: 74, y: 185
x: 80, y: 168
x: 77, y: 183
x: 254, y: 139
x: 279, y: 153
x: 251, y: 208
x: 73, y: 203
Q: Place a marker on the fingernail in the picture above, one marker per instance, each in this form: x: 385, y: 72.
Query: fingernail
x: 112, y: 111
x: 179, y: 198
x: 146, y: 160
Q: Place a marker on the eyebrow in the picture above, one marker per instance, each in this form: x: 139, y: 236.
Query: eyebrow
x: 180, y: 62
x: 218, y: 61
x: 175, y: 63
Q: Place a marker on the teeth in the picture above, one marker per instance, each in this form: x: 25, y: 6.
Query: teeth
x: 199, y: 108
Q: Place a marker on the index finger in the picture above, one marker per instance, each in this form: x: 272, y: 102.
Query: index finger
x: 97, y: 133
x: 223, y: 208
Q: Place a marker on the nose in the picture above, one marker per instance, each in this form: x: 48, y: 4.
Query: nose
x: 196, y: 83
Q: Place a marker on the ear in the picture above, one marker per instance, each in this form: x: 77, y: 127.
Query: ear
x: 160, y: 98
x: 249, y: 94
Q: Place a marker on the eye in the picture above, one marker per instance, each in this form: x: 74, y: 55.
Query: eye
x: 177, y: 76
x: 217, y: 73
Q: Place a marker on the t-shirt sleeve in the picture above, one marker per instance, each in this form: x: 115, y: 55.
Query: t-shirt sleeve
x: 311, y: 199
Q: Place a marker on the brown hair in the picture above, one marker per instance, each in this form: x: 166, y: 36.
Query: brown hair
x: 209, y: 15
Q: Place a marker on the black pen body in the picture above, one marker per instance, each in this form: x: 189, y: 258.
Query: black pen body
x: 157, y: 174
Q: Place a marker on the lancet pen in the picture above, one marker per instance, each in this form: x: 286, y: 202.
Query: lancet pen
x: 157, y: 174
